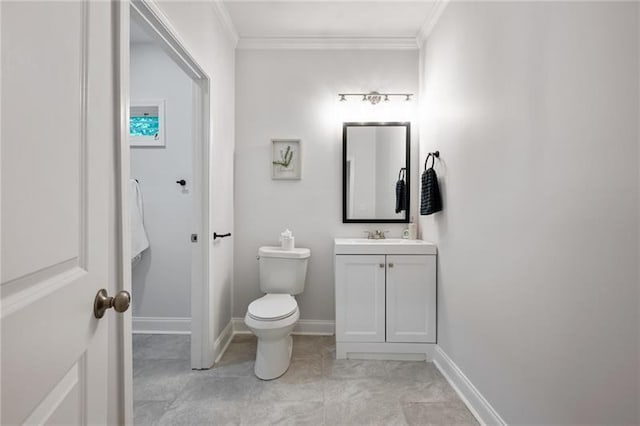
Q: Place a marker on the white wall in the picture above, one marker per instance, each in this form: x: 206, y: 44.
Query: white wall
x: 534, y: 109
x: 203, y: 34
x: 293, y: 94
x: 161, y: 281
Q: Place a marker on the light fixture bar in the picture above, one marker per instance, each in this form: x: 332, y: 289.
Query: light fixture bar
x: 375, y: 97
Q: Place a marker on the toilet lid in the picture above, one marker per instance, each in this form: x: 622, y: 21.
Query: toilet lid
x: 272, y: 307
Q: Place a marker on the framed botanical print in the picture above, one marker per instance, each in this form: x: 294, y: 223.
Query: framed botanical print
x: 286, y: 159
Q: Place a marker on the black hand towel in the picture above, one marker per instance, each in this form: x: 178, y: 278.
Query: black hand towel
x: 430, y: 201
x: 401, y: 195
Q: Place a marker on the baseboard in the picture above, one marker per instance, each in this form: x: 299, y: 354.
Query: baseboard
x: 222, y: 342
x: 309, y: 327
x: 161, y: 325
x: 475, y: 401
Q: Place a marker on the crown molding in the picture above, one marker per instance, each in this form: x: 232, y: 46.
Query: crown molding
x: 431, y: 21
x: 328, y: 43
x: 229, y: 28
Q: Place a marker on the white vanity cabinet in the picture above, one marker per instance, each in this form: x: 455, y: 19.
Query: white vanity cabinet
x: 385, y: 298
x: 360, y: 298
x: 411, y: 298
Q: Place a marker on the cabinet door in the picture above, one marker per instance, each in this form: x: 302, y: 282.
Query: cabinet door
x: 360, y: 298
x: 411, y: 298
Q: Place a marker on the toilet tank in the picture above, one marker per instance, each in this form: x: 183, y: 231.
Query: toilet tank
x: 283, y: 271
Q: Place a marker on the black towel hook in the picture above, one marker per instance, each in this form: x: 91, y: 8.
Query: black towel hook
x: 401, y: 175
x: 433, y: 156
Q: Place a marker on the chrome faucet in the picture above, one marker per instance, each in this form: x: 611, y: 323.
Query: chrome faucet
x: 378, y: 234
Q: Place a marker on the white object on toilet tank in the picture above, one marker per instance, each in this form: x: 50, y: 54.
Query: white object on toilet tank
x: 287, y: 240
x: 283, y: 271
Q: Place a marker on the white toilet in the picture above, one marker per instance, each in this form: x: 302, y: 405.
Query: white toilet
x: 272, y: 317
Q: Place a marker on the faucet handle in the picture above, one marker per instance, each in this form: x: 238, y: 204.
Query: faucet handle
x: 380, y: 234
x: 370, y: 234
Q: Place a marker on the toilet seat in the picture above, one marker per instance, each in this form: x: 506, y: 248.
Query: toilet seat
x: 272, y: 307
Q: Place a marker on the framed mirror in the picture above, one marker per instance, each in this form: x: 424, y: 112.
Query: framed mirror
x: 375, y: 172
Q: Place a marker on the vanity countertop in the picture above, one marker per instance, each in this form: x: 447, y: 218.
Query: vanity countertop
x: 383, y: 246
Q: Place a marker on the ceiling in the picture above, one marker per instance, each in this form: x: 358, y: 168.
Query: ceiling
x: 328, y: 19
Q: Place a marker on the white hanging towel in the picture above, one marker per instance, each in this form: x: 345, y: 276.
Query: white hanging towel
x: 139, y: 240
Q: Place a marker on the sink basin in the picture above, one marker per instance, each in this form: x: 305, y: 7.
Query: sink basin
x: 386, y: 246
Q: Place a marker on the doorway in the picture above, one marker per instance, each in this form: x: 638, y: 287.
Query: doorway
x: 165, y: 145
x: 161, y: 189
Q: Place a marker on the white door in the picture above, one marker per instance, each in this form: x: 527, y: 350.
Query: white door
x: 57, y: 127
x: 360, y: 298
x: 411, y: 298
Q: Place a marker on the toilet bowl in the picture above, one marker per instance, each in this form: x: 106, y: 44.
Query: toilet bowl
x: 272, y: 318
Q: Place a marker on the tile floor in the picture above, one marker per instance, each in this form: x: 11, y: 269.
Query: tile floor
x: 317, y: 389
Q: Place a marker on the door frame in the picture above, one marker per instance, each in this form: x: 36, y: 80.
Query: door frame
x: 148, y: 13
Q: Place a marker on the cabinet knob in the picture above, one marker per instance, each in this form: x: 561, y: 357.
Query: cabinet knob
x: 382, y: 265
x: 390, y: 265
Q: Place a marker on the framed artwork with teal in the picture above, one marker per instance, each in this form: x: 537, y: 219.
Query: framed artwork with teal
x: 146, y: 123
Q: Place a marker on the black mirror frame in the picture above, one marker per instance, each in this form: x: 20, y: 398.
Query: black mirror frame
x: 344, y: 170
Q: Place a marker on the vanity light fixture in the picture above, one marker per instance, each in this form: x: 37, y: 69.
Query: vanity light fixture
x: 375, y: 97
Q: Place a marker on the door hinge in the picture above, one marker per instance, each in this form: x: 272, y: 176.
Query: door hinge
x: 194, y: 238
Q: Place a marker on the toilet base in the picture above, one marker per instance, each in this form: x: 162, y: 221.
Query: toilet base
x: 273, y: 358
x: 275, y: 345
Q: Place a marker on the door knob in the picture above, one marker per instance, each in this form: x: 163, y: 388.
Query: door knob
x: 390, y: 265
x: 102, y: 302
x: 181, y: 182
x: 381, y: 265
